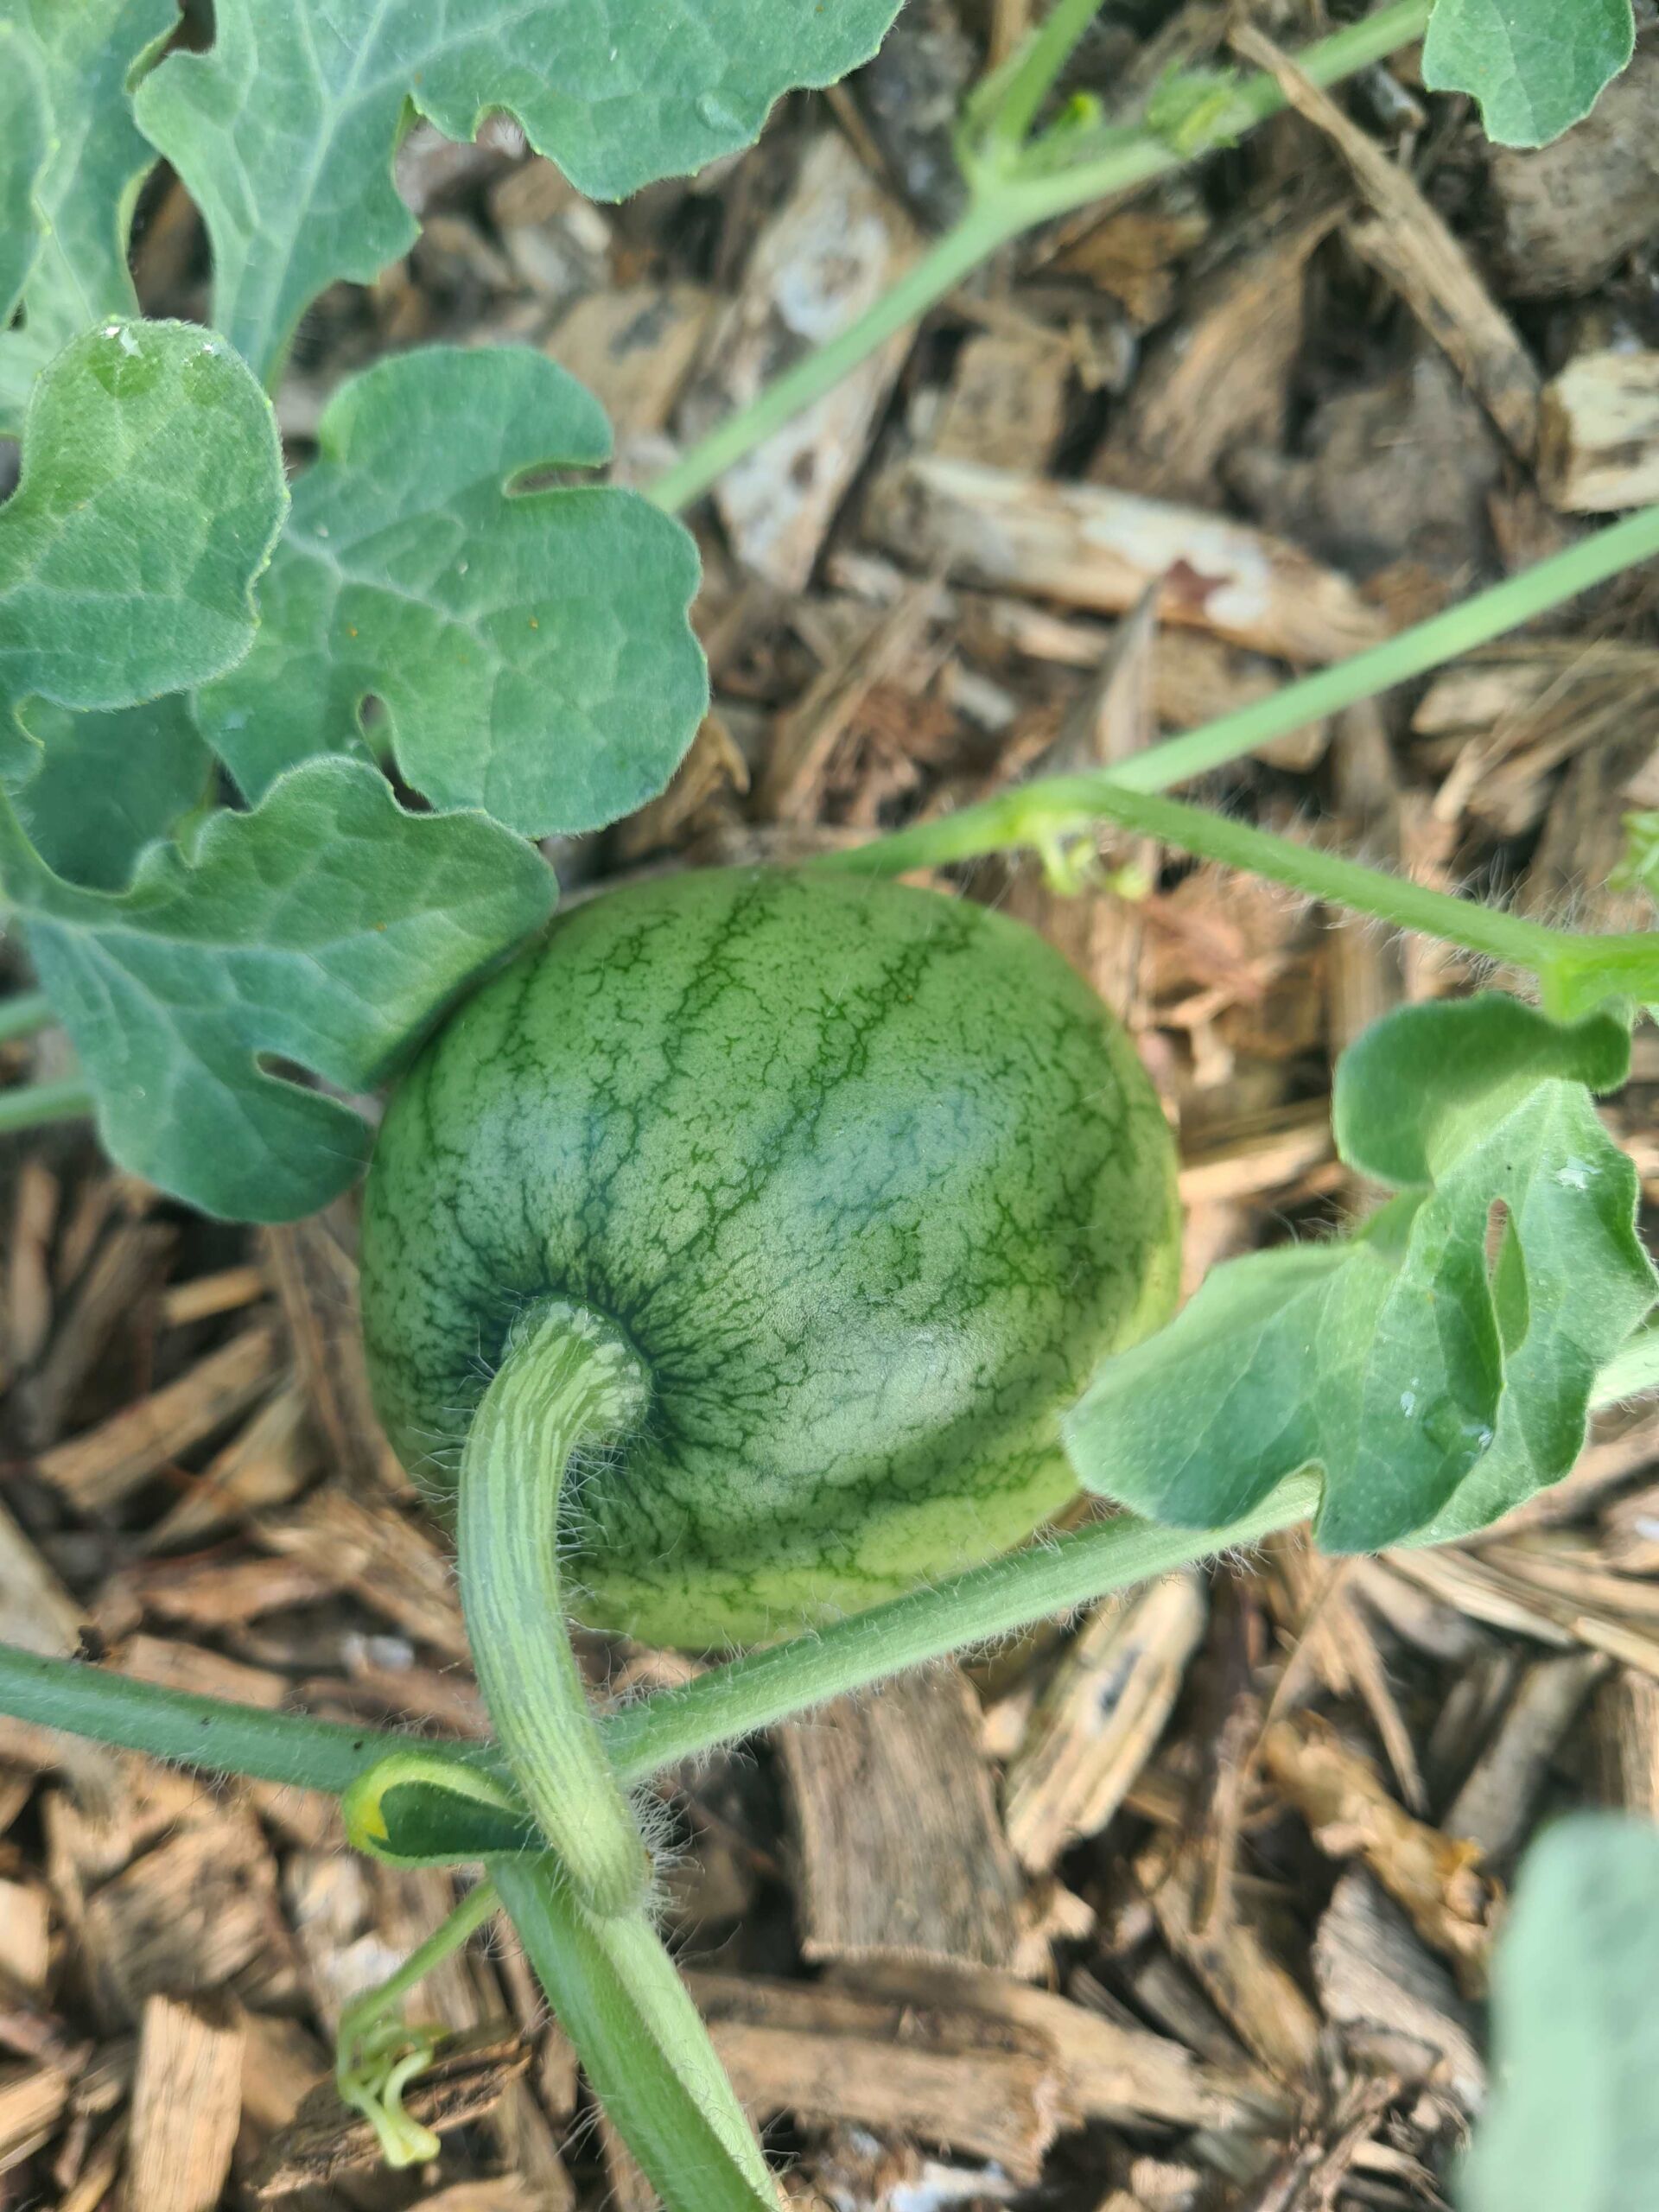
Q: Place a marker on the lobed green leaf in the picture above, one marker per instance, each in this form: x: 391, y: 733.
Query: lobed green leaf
x: 1536, y: 66
x: 1572, y: 2120
x: 84, y: 159
x: 104, y: 786
x: 283, y: 132
x: 25, y: 141
x: 328, y: 929
x: 150, y: 494
x: 531, y: 649
x: 1434, y: 1377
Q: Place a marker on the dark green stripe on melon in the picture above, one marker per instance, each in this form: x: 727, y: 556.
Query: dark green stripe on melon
x: 868, y: 1177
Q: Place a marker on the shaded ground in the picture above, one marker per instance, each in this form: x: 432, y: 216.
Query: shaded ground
x: 1190, y: 1906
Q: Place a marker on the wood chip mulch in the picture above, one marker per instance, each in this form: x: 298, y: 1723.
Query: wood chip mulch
x: 1186, y: 1906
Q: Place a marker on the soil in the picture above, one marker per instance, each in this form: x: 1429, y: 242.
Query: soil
x: 1184, y: 1907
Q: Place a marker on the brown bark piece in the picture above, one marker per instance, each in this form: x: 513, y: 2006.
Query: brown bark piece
x: 1222, y: 373
x: 195, y: 1912
x: 35, y: 1208
x: 1100, y: 1719
x: 1007, y: 401
x: 1375, y: 1981
x: 269, y: 1461
x: 997, y: 2104
x: 1566, y: 214
x: 506, y: 2193
x: 124, y: 1270
x: 637, y: 346
x: 899, y: 1845
x: 312, y: 1266
x: 1090, y: 547
x: 1495, y: 1807
x: 1601, y: 444
x: 1624, y: 1742
x: 1112, y: 2071
x: 837, y: 243
x: 327, y: 2140
x: 32, y: 2103
x: 1251, y: 1988
x: 1273, y: 1150
x: 97, y: 1470
x: 1409, y: 243
x: 35, y: 1610
x: 204, y: 1297
x: 364, y: 1545
x: 1350, y: 1814
x: 25, y: 1940
x: 186, y: 2102
x: 792, y: 788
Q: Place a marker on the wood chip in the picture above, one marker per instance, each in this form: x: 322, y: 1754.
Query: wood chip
x: 898, y: 1843
x: 313, y: 1266
x: 506, y: 2194
x: 1090, y: 547
x: 327, y: 2140
x: 365, y: 1546
x: 186, y: 2102
x: 1272, y: 1151
x: 1565, y: 214
x: 96, y: 1471
x: 29, y: 1264
x: 1002, y: 2106
x: 193, y: 1913
x: 1350, y: 1814
x: 1376, y: 1981
x: 1115, y: 2071
x: 637, y: 346
x: 1410, y: 244
x: 210, y: 1593
x: 1601, y: 442
x: 32, y: 2102
x: 1495, y: 1807
x: 205, y: 1296
x: 124, y: 1270
x: 1006, y: 403
x: 35, y: 1610
x: 25, y: 1939
x: 1515, y: 1602
x: 1222, y: 372
x: 1624, y: 1742
x: 282, y: 2063
x: 267, y: 1462
x: 1251, y: 1988
x: 836, y: 244
x: 1100, y: 1717
x: 201, y: 1672
x: 791, y: 789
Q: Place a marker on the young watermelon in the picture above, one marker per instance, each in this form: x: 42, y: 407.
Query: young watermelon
x: 867, y: 1179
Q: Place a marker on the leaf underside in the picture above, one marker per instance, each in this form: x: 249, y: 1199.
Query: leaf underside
x: 1536, y: 66
x: 1438, y: 1366
x: 532, y: 652
x: 283, y: 132
x: 1572, y: 2119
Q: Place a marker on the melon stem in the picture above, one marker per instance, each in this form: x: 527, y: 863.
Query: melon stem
x: 567, y: 1382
